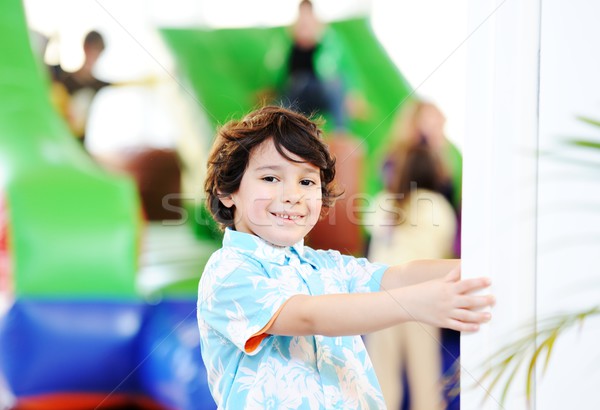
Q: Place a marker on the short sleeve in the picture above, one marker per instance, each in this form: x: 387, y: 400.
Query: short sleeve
x: 237, y: 298
x: 361, y: 275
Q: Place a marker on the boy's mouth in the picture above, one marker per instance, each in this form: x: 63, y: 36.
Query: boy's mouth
x: 287, y: 216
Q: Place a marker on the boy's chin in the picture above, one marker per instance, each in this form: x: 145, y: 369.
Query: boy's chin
x: 280, y: 243
x: 282, y: 240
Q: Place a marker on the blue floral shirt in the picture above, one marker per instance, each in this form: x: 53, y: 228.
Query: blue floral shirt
x: 243, y: 286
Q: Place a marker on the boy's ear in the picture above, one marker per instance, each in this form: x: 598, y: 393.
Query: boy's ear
x: 227, y: 201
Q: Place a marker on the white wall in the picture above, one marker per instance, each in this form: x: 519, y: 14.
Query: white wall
x: 569, y: 199
x: 531, y: 221
x: 499, y: 196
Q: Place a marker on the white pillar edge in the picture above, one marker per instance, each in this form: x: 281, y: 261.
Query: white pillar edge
x: 500, y: 184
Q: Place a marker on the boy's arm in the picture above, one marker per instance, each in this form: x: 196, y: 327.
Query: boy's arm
x: 442, y: 302
x: 417, y: 271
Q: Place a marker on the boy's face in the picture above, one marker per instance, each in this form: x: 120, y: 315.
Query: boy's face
x: 278, y: 200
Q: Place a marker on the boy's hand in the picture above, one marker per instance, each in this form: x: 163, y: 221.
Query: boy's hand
x: 447, y: 302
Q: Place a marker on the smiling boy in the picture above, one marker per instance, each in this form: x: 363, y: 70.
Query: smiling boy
x: 280, y: 323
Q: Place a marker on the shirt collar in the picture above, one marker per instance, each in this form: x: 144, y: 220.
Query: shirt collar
x: 249, y: 243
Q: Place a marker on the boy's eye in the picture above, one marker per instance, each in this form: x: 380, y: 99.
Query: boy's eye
x: 269, y: 179
x: 307, y: 182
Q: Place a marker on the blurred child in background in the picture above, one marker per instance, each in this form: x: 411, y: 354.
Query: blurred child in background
x: 412, y: 221
x: 414, y: 218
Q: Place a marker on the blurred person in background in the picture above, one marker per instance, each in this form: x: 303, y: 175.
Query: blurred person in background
x: 421, y: 122
x: 412, y: 220
x: 315, y: 80
x: 82, y: 85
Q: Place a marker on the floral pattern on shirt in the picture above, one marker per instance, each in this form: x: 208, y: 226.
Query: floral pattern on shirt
x: 243, y: 285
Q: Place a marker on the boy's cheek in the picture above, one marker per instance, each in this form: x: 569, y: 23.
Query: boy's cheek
x: 260, y: 204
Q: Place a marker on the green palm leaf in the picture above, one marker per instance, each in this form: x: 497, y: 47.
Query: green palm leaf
x: 523, y: 351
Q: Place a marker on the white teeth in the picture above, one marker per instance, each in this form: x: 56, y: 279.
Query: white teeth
x: 285, y: 216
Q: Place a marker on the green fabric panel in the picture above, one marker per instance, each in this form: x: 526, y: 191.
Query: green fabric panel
x: 30, y: 130
x: 73, y: 229
x: 74, y: 234
x: 225, y: 69
x: 202, y: 223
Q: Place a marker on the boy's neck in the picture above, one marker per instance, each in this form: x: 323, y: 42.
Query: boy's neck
x: 262, y: 239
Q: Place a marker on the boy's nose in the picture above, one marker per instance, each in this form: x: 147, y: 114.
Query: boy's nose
x: 291, y: 193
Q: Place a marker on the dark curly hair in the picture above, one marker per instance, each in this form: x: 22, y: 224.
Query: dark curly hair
x: 289, y: 131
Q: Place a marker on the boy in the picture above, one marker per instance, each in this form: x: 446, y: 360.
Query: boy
x: 280, y: 323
